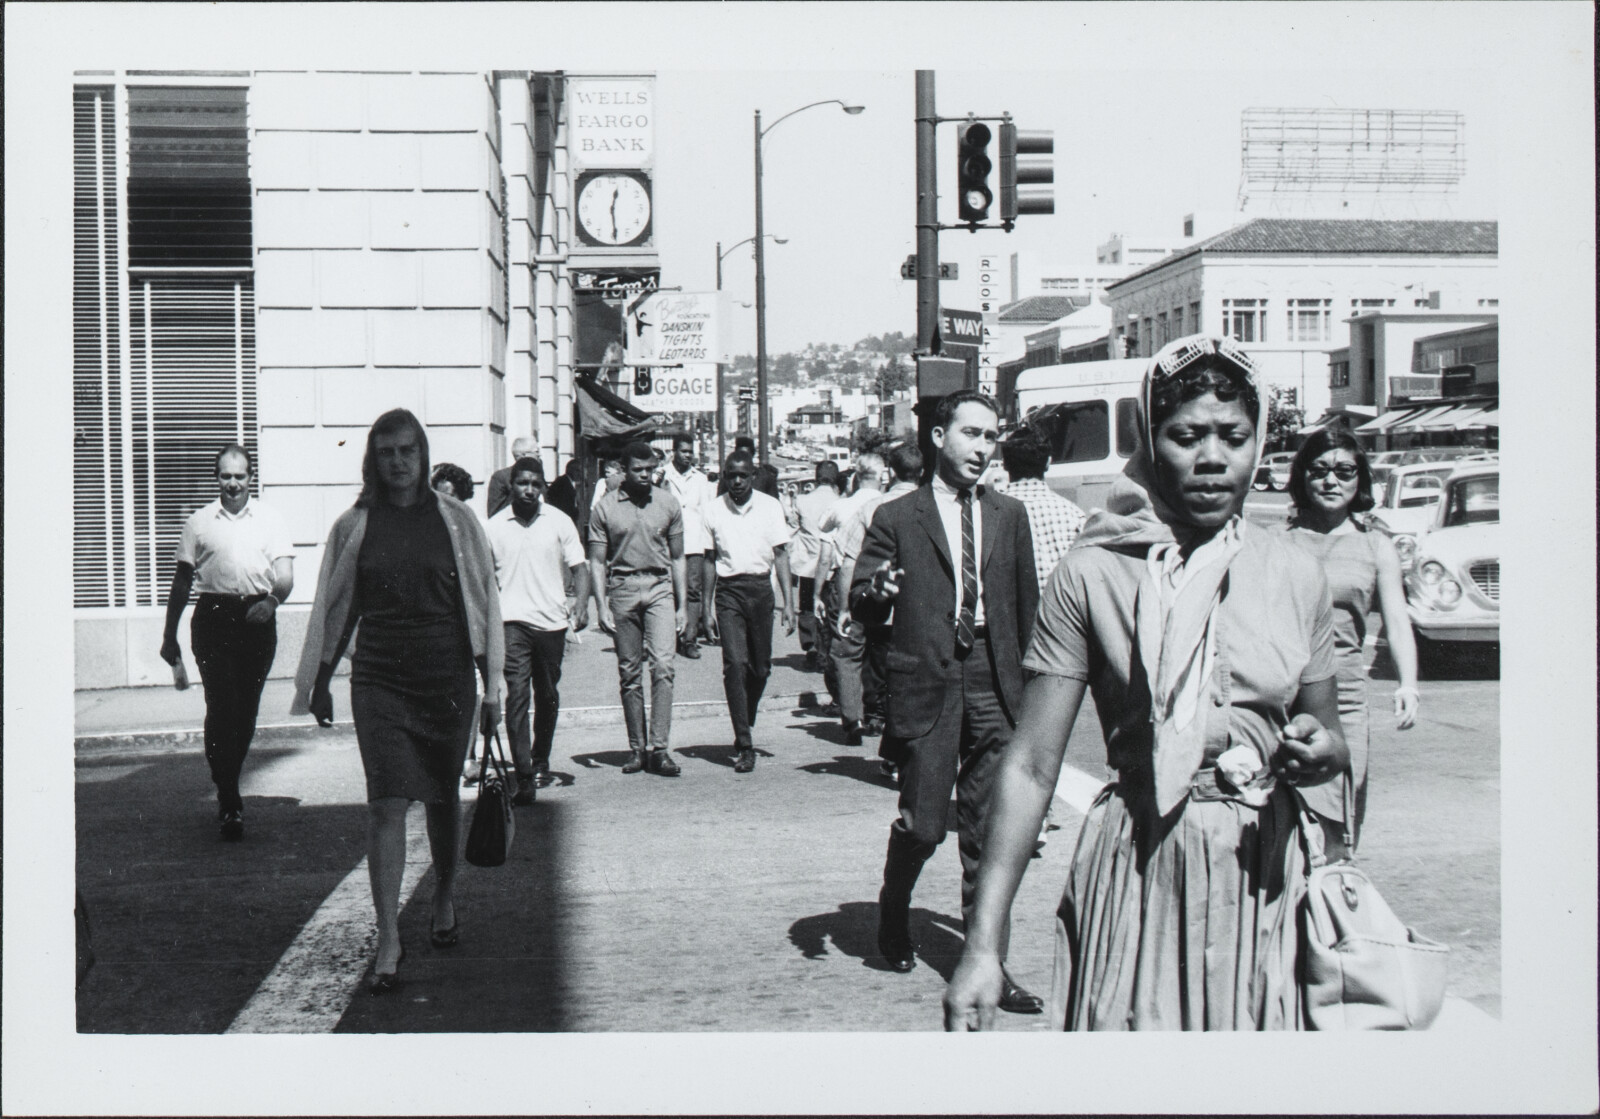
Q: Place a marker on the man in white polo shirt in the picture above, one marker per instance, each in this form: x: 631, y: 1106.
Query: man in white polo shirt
x: 750, y: 538
x: 237, y: 552
x: 535, y: 547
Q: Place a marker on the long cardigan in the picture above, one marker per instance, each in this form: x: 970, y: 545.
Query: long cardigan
x: 336, y: 587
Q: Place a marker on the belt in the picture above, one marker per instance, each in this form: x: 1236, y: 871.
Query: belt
x: 240, y: 598
x: 656, y: 572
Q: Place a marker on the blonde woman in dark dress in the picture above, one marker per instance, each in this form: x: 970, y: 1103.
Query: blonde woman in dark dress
x: 1207, y: 643
x: 1331, y: 484
x: 414, y: 568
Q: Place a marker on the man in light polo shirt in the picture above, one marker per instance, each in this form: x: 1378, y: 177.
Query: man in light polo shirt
x: 535, y: 546
x: 636, y: 560
x: 751, y: 538
x: 237, y: 552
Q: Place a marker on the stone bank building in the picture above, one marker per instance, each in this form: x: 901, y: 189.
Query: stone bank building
x: 275, y: 258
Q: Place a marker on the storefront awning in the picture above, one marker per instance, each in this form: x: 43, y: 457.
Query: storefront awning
x: 1389, y: 420
x: 1434, y: 419
x: 1487, y: 418
x: 1347, y: 413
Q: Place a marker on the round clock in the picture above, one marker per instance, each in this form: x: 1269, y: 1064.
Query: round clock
x: 614, y: 208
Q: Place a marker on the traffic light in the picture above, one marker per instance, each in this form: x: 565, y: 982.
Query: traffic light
x: 1033, y: 166
x: 972, y: 171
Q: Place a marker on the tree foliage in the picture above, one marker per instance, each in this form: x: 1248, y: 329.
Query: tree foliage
x: 1284, y: 417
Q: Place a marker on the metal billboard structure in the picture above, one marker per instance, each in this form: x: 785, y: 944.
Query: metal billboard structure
x: 1293, y: 159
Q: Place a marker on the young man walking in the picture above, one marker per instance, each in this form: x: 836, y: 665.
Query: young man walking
x: 522, y: 447
x: 536, y: 549
x: 751, y: 539
x: 636, y: 562
x: 957, y: 569
x: 689, y: 485
x: 237, y: 551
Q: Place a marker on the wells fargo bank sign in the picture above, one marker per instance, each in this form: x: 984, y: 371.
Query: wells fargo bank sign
x: 611, y: 122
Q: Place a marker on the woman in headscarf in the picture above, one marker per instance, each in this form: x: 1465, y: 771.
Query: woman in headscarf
x: 1208, y: 646
x: 414, y: 567
x: 1331, y: 484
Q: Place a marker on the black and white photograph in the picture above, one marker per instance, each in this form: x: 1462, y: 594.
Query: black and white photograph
x: 778, y: 532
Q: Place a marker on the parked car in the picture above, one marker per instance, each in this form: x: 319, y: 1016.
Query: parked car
x: 1453, y: 587
x: 1273, y: 473
x: 1407, y: 504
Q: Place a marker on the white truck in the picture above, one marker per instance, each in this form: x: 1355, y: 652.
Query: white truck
x: 1088, y: 414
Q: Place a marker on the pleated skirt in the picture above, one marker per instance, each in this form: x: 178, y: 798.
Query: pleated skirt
x: 1186, y: 923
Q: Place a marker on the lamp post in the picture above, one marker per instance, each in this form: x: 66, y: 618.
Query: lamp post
x: 722, y: 449
x: 761, y: 271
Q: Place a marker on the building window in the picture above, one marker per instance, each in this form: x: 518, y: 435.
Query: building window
x: 1339, y: 374
x: 1488, y: 303
x: 1147, y: 337
x: 1245, y: 320
x: 1359, y: 305
x: 1177, y: 322
x: 1310, y: 320
x: 151, y: 409
x: 1161, y: 330
x: 1194, y: 318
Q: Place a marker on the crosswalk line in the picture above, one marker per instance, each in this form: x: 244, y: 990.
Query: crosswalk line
x: 309, y: 988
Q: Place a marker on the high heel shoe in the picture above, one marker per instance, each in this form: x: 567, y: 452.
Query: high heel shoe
x: 384, y: 982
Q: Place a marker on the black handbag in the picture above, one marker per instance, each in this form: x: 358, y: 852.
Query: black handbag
x: 493, y: 824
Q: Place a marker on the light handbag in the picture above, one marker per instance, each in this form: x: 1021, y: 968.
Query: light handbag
x: 1360, y: 967
x: 493, y: 824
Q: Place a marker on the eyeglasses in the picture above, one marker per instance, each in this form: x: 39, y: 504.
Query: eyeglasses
x: 1344, y: 471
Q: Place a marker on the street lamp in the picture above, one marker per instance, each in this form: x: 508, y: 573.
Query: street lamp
x: 722, y: 449
x: 761, y: 271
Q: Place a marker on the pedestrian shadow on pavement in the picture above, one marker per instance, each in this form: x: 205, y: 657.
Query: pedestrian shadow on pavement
x: 616, y: 759
x: 852, y: 930
x: 719, y: 755
x: 859, y: 767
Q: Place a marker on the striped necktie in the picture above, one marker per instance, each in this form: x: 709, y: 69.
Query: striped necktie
x: 966, y: 620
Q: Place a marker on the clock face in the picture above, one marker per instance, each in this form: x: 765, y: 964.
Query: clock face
x: 613, y: 208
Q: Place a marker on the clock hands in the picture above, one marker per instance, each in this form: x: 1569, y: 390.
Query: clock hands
x: 616, y: 193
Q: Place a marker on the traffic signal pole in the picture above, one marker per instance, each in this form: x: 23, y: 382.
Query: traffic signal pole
x: 927, y: 217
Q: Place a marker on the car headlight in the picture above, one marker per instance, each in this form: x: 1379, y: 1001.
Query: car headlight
x: 1406, y: 547
x: 1431, y: 572
x: 1449, y: 592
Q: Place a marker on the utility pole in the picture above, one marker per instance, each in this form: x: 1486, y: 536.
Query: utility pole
x: 722, y: 450
x: 761, y: 311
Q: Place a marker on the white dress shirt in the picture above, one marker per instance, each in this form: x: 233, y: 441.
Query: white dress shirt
x: 949, y: 506
x: 690, y: 490
x: 232, y: 553
x: 531, y: 563
x: 746, y: 537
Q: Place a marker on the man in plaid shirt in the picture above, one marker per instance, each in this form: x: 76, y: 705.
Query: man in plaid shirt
x: 1055, y: 521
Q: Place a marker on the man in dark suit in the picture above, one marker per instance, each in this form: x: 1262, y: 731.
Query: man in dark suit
x: 956, y: 568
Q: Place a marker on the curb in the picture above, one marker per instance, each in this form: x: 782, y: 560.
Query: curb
x: 192, y: 739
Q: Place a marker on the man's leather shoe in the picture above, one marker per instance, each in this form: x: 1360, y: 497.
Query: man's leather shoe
x: 661, y: 763
x: 1018, y: 1000
x: 690, y: 649
x: 872, y: 728
x: 897, y: 950
x: 541, y: 775
x: 525, y: 792
x: 852, y: 733
x: 232, y: 825
x: 634, y: 764
x: 745, y: 762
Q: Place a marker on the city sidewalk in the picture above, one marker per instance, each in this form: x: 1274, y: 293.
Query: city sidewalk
x: 589, y: 696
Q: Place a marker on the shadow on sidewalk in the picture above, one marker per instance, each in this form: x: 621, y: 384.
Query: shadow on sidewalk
x: 718, y: 755
x: 867, y: 769
x: 853, y: 930
x: 616, y: 759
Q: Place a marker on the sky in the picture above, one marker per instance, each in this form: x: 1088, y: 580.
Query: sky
x: 1135, y: 152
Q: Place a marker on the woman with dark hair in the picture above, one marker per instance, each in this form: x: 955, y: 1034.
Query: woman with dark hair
x: 452, y: 481
x: 1331, y: 485
x: 1208, y: 645
x: 415, y: 568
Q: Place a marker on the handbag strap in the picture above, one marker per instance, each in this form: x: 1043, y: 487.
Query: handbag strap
x: 493, y: 753
x: 1311, y: 826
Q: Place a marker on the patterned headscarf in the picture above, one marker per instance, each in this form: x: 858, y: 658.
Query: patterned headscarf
x: 1175, y: 611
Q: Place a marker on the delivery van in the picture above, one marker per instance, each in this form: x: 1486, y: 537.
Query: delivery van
x: 1088, y: 414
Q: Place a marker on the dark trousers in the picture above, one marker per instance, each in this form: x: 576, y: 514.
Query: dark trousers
x: 808, y: 620
x: 744, y: 618
x: 233, y: 656
x: 533, y: 665
x: 960, y: 752
x: 694, y: 573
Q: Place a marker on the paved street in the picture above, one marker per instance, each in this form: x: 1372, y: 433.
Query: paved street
x: 713, y: 901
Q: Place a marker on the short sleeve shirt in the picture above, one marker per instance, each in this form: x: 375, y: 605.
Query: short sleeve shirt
x: 746, y: 537
x: 1275, y: 635
x: 530, y: 566
x: 1054, y: 521
x: 637, y: 535
x: 233, y: 553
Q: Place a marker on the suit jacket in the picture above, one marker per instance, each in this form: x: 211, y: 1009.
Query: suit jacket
x: 922, y: 660
x: 499, y: 490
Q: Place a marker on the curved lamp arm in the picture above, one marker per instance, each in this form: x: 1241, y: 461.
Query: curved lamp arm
x: 851, y: 109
